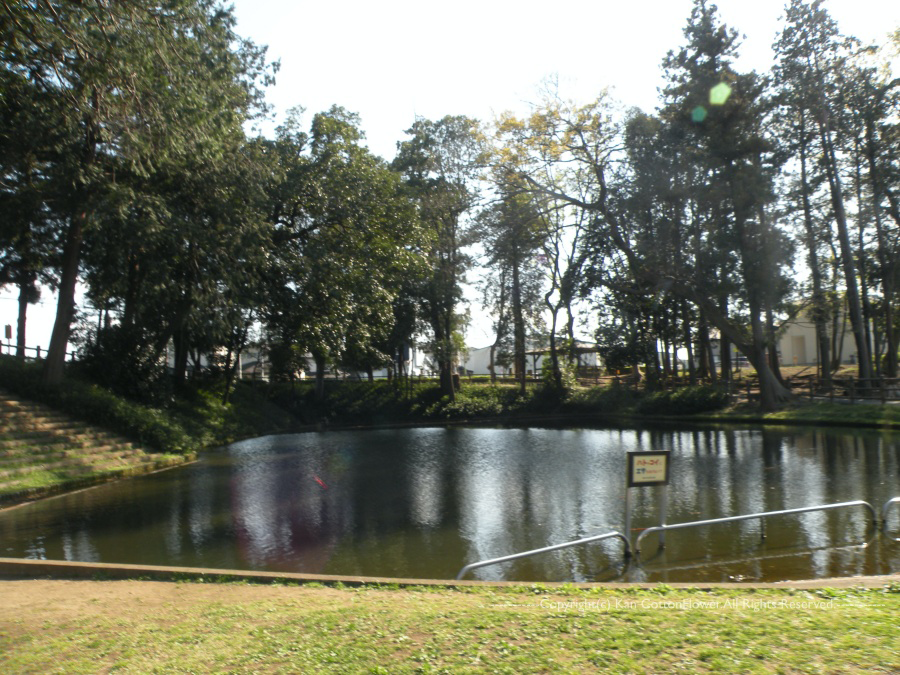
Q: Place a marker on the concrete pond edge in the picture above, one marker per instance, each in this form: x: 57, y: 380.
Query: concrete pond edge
x: 23, y: 569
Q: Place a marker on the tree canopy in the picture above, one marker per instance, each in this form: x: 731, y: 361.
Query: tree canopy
x: 127, y: 165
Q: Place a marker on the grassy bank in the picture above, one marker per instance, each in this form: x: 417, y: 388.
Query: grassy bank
x: 192, y: 421
x: 147, y: 627
x: 196, y: 418
x: 818, y: 413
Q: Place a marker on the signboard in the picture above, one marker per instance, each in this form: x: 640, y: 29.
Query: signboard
x: 646, y: 469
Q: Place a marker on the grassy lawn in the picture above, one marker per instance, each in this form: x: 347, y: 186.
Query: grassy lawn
x: 162, y: 627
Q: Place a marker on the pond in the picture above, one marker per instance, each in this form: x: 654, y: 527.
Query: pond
x: 422, y: 503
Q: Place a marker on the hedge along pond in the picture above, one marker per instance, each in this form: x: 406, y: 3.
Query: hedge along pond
x: 421, y: 503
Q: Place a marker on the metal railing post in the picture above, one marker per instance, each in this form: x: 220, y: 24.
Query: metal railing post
x: 886, y: 508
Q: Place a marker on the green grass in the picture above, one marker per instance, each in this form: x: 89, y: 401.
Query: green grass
x: 191, y: 422
x: 182, y: 628
x: 804, y: 412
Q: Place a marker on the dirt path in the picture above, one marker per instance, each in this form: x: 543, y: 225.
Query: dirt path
x: 73, y: 600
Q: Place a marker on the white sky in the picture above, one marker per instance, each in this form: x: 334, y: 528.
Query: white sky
x: 393, y: 60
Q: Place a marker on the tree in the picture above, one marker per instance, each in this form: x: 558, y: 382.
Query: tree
x: 871, y: 101
x: 572, y: 153
x: 512, y: 232
x: 347, y: 240
x: 181, y: 261
x: 439, y: 163
x: 27, y: 245
x: 144, y: 84
x: 811, y: 54
x: 722, y: 114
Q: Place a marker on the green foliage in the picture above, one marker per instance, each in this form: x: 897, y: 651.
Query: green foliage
x: 122, y: 361
x: 439, y: 164
x: 195, y: 420
x: 567, y: 371
x: 92, y: 403
x: 345, y: 256
x: 684, y: 401
x: 612, y: 398
x: 144, y: 163
x: 470, y: 403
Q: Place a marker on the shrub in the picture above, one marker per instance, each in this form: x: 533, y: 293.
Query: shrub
x: 685, y: 401
x: 96, y: 405
x: 123, y: 361
x: 469, y: 403
x: 607, y: 399
x: 567, y: 372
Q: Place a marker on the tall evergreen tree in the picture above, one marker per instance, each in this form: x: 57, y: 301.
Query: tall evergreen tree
x: 811, y: 54
x: 511, y: 231
x: 439, y: 163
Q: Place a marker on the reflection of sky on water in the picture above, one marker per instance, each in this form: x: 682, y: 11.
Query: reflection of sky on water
x: 425, y: 476
x: 424, y: 502
x: 78, y: 546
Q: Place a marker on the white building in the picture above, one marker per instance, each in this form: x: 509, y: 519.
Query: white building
x: 478, y: 360
x: 798, y: 346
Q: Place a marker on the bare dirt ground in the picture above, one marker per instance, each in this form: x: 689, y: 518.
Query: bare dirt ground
x: 74, y: 600
x: 30, y: 600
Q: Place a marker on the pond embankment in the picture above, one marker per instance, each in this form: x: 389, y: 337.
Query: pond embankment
x: 43, y: 451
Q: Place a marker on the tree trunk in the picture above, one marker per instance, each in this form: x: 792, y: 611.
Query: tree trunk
x: 24, y: 289
x: 724, y: 347
x: 667, y: 359
x: 772, y: 345
x: 688, y: 342
x: 772, y: 392
x: 863, y: 268
x: 228, y: 375
x: 518, y: 323
x: 887, y: 262
x: 819, y: 301
x: 554, y: 351
x: 54, y: 366
x: 319, y: 358
x: 713, y: 376
x: 179, y: 342
x: 448, y: 388
x: 236, y: 354
x: 704, y: 344
x: 441, y: 324
x: 853, y: 299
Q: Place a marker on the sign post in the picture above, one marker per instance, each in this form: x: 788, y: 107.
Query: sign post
x: 648, y: 469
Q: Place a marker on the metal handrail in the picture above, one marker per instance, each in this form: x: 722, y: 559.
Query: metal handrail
x: 751, y: 516
x: 546, y: 549
x: 887, y: 506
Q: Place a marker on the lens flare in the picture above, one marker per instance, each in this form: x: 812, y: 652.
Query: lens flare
x: 719, y: 94
x: 699, y: 114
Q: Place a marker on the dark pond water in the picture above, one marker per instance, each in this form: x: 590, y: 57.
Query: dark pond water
x: 424, y: 502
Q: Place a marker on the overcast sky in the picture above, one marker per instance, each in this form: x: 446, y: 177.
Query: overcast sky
x: 392, y: 60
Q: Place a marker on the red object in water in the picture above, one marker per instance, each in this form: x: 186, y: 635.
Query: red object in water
x: 320, y: 482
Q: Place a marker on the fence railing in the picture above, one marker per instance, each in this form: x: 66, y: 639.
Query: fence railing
x: 755, y: 516
x: 525, y: 554
x: 31, y: 353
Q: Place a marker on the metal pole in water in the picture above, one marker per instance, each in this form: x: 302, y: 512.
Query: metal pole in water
x: 663, y: 504
x: 628, y: 505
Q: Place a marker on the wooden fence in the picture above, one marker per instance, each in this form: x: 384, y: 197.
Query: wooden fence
x: 31, y: 353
